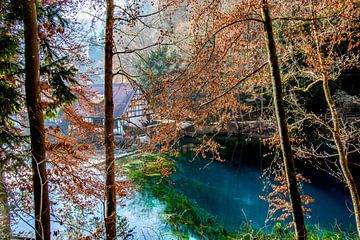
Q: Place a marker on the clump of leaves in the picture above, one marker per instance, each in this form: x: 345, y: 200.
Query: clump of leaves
x: 278, y: 198
x: 89, y: 225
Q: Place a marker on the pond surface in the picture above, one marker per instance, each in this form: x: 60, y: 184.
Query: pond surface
x: 231, y: 194
x: 228, y: 192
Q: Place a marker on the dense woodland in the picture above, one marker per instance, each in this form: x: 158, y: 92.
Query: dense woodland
x: 283, y: 74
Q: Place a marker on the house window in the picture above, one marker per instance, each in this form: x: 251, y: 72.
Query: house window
x: 98, y: 122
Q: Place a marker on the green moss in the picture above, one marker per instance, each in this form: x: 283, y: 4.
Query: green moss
x: 280, y: 233
x: 184, y: 215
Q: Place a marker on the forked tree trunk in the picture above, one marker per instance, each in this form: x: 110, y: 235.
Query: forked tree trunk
x: 289, y: 165
x: 337, y: 136
x: 36, y: 121
x: 343, y: 158
x: 110, y: 194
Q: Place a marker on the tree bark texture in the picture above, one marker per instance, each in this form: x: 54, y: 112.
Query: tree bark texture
x: 343, y: 157
x: 289, y: 165
x: 339, y: 141
x: 110, y: 194
x: 5, y: 228
x: 36, y: 121
x: 338, y: 137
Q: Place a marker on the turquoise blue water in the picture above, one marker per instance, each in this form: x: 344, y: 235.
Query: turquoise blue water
x: 227, y: 191
x: 232, y: 193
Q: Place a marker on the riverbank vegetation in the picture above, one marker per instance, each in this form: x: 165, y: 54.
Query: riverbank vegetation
x: 185, y: 217
x: 271, y: 81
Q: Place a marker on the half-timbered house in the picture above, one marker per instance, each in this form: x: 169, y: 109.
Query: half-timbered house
x: 130, y: 107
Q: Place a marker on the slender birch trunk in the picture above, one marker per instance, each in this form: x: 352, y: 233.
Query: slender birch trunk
x: 337, y: 136
x: 343, y: 157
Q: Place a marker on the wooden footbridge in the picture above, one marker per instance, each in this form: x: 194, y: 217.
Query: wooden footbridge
x: 251, y: 127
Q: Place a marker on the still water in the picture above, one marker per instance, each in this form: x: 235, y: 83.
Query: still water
x: 228, y: 192
x: 232, y: 195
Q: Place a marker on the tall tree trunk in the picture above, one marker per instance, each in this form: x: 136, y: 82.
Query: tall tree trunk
x: 110, y: 194
x: 5, y: 229
x: 337, y: 136
x: 36, y: 121
x: 289, y: 165
x: 343, y: 157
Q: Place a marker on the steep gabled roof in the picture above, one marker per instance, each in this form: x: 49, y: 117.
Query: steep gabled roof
x: 122, y: 92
